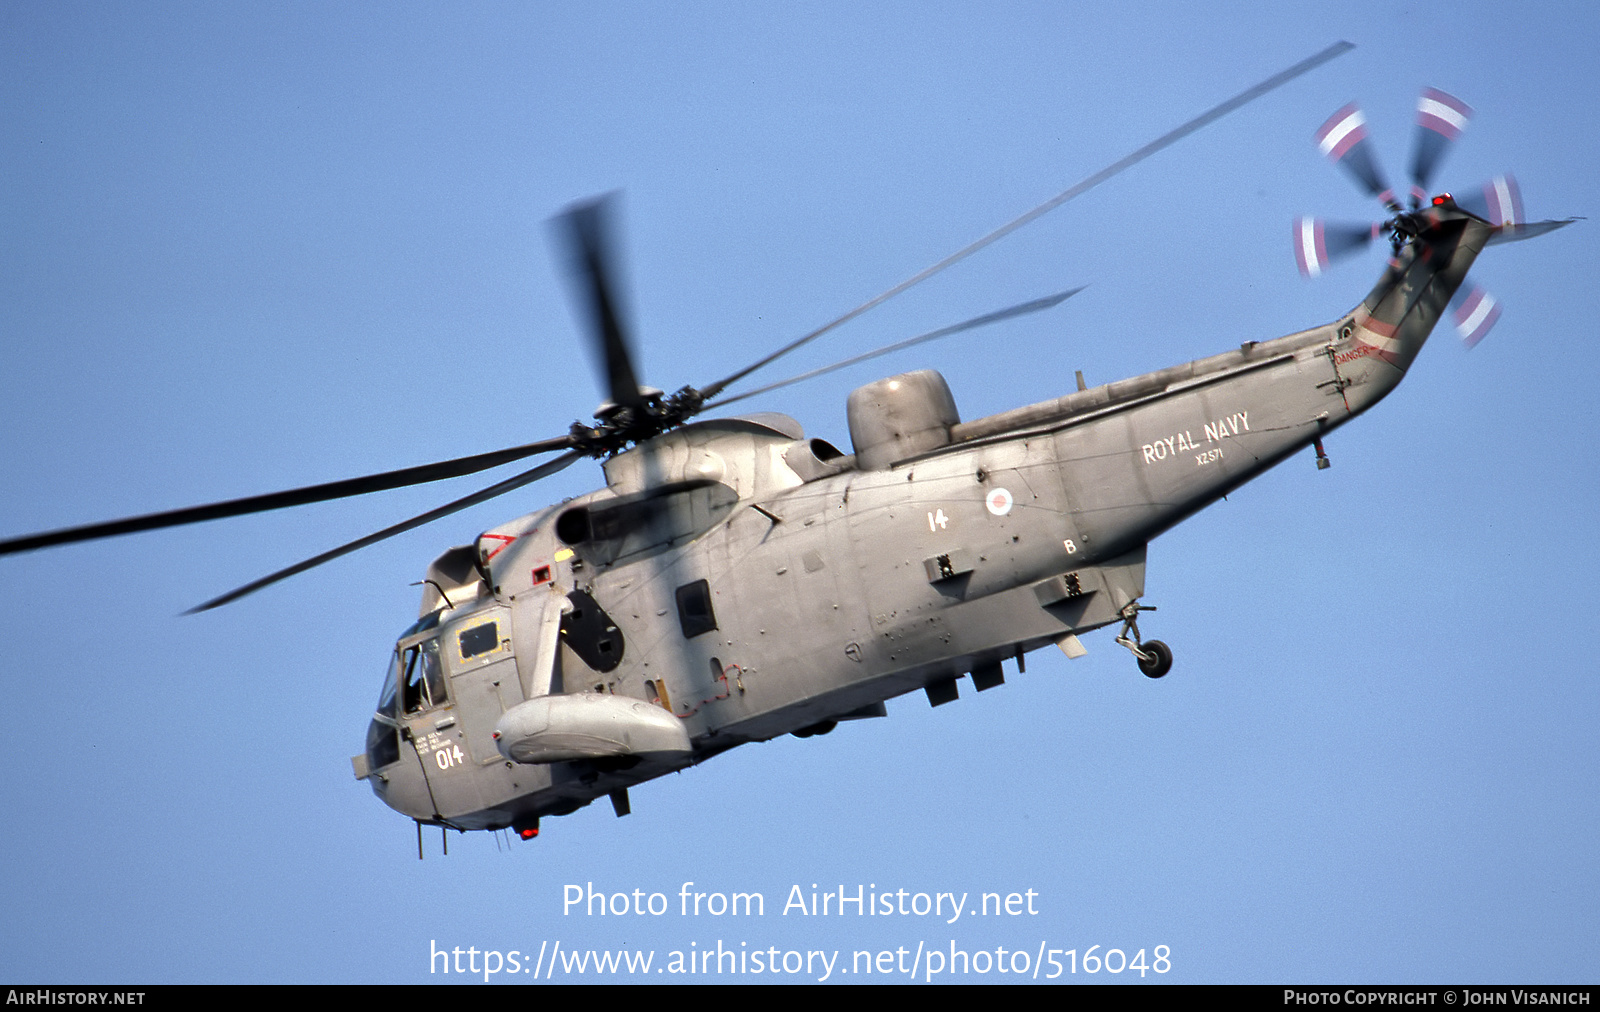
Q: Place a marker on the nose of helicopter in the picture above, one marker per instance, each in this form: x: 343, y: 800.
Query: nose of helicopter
x: 398, y: 783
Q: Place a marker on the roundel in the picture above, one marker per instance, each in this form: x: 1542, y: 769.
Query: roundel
x: 999, y: 502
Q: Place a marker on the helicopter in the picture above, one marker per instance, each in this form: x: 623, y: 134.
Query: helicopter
x: 736, y: 581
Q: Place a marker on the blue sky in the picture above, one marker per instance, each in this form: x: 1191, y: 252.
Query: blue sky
x: 249, y: 248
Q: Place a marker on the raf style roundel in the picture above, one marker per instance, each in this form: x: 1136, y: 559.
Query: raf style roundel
x: 999, y: 502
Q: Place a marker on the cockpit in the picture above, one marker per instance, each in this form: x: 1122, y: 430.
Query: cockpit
x: 415, y: 683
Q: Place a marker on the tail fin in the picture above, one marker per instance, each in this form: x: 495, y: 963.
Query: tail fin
x: 1401, y: 310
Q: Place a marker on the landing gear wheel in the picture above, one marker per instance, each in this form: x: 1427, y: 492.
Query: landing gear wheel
x: 1160, y: 661
x: 1154, y: 657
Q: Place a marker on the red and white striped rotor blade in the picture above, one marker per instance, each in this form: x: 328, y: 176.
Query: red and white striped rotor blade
x: 1476, y: 315
x: 1343, y: 139
x: 1318, y: 243
x: 1440, y: 120
x: 1499, y: 202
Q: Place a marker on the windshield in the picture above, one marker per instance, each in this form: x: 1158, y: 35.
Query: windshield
x: 391, y: 687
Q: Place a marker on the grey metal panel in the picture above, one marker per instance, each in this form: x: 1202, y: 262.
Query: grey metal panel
x: 481, y: 687
x: 785, y: 627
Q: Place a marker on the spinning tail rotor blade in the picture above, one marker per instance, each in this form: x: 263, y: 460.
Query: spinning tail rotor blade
x: 1499, y: 202
x: 586, y: 231
x: 1440, y: 120
x: 293, y: 497
x: 514, y: 482
x: 1477, y: 311
x: 1476, y: 315
x: 1318, y: 243
x: 1343, y: 139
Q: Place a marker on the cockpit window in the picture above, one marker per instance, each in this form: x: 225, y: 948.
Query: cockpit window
x: 423, y: 677
x: 391, y: 688
x: 383, y: 744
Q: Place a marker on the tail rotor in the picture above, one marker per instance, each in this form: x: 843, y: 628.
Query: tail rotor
x: 1441, y: 118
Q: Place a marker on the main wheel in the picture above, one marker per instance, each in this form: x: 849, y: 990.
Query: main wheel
x: 1160, y: 663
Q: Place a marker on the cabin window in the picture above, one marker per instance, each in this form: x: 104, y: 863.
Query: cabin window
x: 480, y: 639
x: 423, y: 683
x: 694, y: 609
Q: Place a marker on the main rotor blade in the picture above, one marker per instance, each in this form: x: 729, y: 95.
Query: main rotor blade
x: 1165, y: 140
x: 588, y: 238
x: 516, y: 481
x: 293, y: 497
x: 1021, y: 309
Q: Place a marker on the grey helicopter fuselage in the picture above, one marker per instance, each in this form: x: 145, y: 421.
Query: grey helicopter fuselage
x: 736, y: 581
